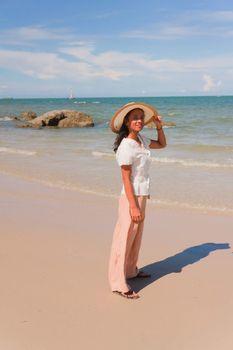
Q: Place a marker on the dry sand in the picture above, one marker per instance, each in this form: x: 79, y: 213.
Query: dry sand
x: 54, y: 250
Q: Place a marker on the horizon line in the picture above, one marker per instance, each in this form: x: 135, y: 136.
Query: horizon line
x: 91, y: 97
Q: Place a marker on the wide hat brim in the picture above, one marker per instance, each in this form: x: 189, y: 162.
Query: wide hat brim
x: 118, y: 118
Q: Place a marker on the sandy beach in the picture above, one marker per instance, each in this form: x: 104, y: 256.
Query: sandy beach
x: 54, y: 252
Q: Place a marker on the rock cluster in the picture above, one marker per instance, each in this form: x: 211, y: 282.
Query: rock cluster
x: 58, y: 118
x: 28, y: 115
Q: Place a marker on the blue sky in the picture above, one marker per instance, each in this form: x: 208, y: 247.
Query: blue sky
x: 116, y: 48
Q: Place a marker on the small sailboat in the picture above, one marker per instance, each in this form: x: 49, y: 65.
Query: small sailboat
x: 71, y: 96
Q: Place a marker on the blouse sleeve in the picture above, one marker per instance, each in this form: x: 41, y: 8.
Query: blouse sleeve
x: 146, y: 141
x: 124, y: 154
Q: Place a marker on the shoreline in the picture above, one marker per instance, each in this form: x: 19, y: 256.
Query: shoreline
x: 54, y: 251
x: 153, y: 202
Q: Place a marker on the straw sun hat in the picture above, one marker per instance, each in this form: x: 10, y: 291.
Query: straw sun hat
x: 118, y: 118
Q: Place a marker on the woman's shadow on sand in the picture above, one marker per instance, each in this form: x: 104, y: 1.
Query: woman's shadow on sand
x: 175, y: 263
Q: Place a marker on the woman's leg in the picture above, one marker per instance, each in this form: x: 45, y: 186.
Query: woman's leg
x: 134, y: 242
x: 117, y: 276
x: 125, y: 246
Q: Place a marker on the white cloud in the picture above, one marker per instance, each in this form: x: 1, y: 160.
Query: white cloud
x: 37, y: 65
x: 78, y: 51
x: 165, y: 32
x: 186, y: 24
x: 47, y: 66
x: 125, y: 62
x: 174, y: 32
x: 32, y: 34
x: 42, y: 65
x: 219, y: 16
x: 77, y: 43
x: 210, y: 84
x: 81, y: 64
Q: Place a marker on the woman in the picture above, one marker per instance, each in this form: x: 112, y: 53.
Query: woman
x: 133, y: 156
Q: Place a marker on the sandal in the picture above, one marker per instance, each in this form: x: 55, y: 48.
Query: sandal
x: 129, y: 295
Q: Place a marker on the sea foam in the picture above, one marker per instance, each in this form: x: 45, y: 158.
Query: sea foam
x: 195, y: 206
x: 17, y: 151
x: 190, y: 163
x: 5, y: 119
x: 102, y: 154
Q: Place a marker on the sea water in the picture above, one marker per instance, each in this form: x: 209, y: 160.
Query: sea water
x: 193, y: 172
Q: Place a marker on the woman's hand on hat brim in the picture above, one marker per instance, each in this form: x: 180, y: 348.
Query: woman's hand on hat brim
x: 157, y: 119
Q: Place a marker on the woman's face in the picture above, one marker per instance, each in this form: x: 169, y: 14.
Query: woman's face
x: 136, y: 120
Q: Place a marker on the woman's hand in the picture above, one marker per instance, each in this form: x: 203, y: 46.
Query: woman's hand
x: 157, y: 119
x: 136, y: 214
x: 161, y: 141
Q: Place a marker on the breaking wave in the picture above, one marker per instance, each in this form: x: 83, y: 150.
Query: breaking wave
x: 17, y: 151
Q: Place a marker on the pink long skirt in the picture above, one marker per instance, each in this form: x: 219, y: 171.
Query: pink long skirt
x: 125, y: 245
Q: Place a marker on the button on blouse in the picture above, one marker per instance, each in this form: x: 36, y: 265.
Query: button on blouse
x: 139, y: 157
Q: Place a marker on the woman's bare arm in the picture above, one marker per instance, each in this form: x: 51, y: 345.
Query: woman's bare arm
x: 161, y: 141
x: 133, y: 203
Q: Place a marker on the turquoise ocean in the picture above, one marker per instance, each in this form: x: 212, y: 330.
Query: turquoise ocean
x: 194, y: 172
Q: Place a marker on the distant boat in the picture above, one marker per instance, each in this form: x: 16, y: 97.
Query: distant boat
x: 71, y: 97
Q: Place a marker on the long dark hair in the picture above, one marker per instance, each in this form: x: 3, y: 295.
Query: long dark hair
x: 123, y: 132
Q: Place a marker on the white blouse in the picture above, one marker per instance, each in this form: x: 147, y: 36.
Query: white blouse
x: 131, y: 153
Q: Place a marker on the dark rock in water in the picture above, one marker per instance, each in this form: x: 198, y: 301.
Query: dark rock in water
x: 20, y: 123
x: 24, y: 126
x: 75, y: 119
x: 152, y: 124
x: 28, y: 115
x: 169, y: 124
x: 63, y: 119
